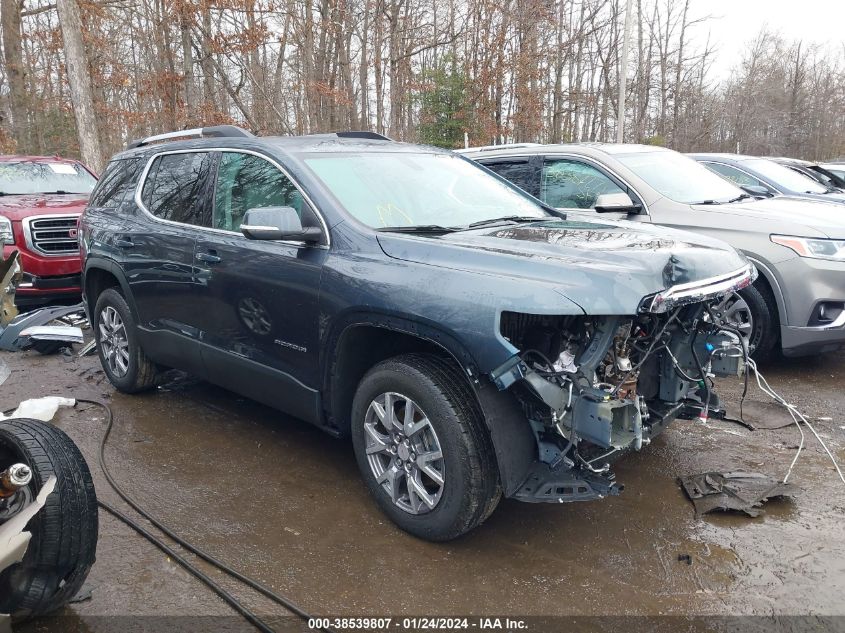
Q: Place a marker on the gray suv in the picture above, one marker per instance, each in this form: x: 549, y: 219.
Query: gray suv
x: 473, y: 342
x: 798, y: 246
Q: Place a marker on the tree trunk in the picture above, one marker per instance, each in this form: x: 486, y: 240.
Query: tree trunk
x: 80, y: 84
x: 15, y: 71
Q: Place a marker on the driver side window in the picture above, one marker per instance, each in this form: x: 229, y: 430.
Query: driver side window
x: 570, y: 184
x: 246, y: 181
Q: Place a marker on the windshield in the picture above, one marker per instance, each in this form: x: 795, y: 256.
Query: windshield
x: 784, y: 176
x: 679, y: 178
x: 405, y: 189
x: 28, y: 177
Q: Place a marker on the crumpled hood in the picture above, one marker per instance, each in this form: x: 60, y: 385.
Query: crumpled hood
x: 604, y: 267
x: 812, y: 218
x: 17, y: 207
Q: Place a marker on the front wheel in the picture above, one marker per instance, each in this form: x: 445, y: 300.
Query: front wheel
x: 748, y: 311
x: 423, y: 448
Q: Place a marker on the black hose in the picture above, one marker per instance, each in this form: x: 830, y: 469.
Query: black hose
x: 202, y: 577
x: 268, y: 593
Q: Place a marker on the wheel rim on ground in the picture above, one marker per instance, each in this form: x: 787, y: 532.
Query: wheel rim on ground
x: 113, y: 341
x: 404, y: 453
x: 735, y: 312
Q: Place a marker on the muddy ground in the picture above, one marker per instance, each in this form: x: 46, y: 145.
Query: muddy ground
x: 283, y: 502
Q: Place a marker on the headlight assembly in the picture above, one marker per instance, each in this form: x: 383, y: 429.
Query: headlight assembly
x: 812, y: 247
x: 6, y: 235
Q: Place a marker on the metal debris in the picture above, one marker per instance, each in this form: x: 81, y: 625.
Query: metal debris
x: 740, y: 491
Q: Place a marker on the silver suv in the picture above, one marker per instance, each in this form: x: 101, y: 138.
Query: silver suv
x: 798, y: 246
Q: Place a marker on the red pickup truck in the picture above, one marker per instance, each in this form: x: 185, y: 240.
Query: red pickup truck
x: 41, y: 199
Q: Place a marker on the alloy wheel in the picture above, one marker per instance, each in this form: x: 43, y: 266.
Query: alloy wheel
x: 735, y: 312
x: 404, y: 453
x: 114, y: 341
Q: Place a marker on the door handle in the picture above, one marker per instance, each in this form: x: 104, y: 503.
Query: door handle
x: 124, y: 242
x: 208, y: 258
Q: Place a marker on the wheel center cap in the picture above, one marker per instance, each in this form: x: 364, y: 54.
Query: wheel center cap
x: 404, y: 453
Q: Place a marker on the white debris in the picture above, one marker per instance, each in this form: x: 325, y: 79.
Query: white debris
x: 43, y: 409
x: 66, y: 333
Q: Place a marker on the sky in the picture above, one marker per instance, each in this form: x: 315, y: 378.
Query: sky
x: 737, y: 21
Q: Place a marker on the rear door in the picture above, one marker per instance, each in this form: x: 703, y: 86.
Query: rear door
x: 258, y: 300
x: 158, y: 254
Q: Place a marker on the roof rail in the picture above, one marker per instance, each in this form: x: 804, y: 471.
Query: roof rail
x: 215, y: 131
x: 363, y: 134
x: 493, y: 148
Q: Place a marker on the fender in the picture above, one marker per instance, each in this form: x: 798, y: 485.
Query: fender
x: 767, y: 273
x: 510, y: 432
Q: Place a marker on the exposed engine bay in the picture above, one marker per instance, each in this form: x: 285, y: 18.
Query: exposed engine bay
x: 595, y: 387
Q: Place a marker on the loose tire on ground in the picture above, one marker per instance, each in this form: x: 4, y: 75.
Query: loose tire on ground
x: 141, y: 373
x: 471, y: 487
x: 64, y: 532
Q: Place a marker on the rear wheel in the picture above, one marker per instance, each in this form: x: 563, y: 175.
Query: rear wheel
x: 123, y: 360
x: 422, y: 447
x: 64, y: 533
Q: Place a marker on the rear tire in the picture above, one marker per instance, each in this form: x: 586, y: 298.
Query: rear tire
x: 470, y: 488
x: 64, y: 532
x: 140, y: 372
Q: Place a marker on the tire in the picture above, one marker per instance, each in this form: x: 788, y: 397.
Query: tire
x: 141, y: 372
x: 756, y: 313
x: 470, y: 486
x: 64, y: 532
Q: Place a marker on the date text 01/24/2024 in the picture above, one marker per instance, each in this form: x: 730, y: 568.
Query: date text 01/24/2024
x: 418, y: 624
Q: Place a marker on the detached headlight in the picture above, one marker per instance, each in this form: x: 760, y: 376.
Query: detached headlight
x: 813, y: 247
x: 6, y: 235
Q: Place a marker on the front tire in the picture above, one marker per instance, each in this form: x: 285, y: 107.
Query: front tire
x: 125, y: 363
x: 64, y: 532
x: 423, y: 448
x: 749, y: 312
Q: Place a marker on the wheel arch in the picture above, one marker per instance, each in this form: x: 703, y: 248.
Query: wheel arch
x: 768, y: 283
x: 101, y: 274
x: 364, y: 341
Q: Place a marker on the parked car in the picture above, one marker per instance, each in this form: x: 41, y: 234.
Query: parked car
x: 814, y: 170
x: 41, y: 199
x: 768, y: 178
x: 797, y: 302
x: 838, y: 169
x: 471, y: 340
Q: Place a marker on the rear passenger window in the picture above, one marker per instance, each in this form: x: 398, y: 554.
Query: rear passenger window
x: 246, y: 181
x: 119, y: 179
x: 174, y: 187
x: 518, y: 172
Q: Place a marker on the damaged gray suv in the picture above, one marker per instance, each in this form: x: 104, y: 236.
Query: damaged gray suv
x: 471, y: 341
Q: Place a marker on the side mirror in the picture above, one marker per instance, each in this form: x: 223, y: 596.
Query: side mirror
x: 277, y: 223
x: 616, y: 203
x: 758, y: 191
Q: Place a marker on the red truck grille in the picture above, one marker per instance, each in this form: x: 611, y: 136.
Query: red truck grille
x: 52, y: 235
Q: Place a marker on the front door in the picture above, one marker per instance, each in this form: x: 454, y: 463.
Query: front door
x: 258, y: 300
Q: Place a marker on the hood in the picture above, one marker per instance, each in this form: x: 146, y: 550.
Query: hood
x: 605, y: 268
x: 18, y: 207
x: 791, y: 215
